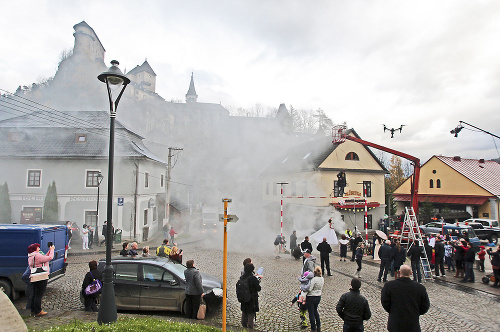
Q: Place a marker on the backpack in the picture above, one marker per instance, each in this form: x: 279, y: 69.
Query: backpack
x: 277, y: 240
x: 94, y: 287
x: 243, y: 291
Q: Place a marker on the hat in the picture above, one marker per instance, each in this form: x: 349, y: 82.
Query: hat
x: 481, y: 247
x: 33, y: 247
x: 307, y: 251
x: 388, y: 242
x: 306, y: 273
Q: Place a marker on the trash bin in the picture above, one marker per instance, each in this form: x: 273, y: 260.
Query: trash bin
x: 145, y: 234
x: 118, y: 236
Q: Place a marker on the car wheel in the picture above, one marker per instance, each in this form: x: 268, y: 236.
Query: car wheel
x: 6, y: 287
x: 494, y: 239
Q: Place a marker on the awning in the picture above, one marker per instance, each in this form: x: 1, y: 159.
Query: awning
x: 444, y: 199
x: 358, y: 206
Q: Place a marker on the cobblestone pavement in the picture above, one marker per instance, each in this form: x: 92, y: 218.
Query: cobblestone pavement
x: 452, y: 306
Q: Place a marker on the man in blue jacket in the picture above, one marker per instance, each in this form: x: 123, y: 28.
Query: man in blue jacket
x: 385, y: 254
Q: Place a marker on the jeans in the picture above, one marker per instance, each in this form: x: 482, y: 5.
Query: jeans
x: 415, y: 268
x: 449, y: 262
x: 312, y: 303
x: 353, y: 328
x: 385, y: 266
x: 469, y: 271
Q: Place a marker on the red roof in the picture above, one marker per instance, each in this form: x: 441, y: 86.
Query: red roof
x: 484, y: 173
x: 444, y: 199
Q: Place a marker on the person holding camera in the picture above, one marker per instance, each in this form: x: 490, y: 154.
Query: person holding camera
x: 39, y: 275
x: 495, y: 264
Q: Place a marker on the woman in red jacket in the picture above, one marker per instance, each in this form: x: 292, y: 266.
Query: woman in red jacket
x: 36, y: 260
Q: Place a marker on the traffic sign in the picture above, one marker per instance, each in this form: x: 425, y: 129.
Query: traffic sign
x: 230, y: 218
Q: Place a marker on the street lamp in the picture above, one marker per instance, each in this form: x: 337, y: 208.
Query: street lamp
x: 114, y: 79
x: 96, y: 232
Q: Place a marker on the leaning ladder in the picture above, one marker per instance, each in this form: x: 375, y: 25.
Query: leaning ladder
x: 411, y: 232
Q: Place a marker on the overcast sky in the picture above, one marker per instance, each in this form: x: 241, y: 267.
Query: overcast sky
x: 425, y: 64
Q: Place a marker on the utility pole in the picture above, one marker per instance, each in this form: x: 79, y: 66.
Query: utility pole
x: 281, y: 214
x: 167, y: 187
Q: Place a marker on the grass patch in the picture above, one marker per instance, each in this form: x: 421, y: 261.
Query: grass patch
x: 133, y: 325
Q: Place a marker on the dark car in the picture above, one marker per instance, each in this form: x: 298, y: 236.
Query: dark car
x: 153, y: 283
x: 484, y: 233
x: 452, y: 229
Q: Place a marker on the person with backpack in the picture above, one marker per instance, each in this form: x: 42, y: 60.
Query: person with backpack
x: 247, y: 289
x: 94, y: 274
x: 163, y: 250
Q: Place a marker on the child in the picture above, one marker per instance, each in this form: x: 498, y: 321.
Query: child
x: 300, y: 298
x: 359, y: 258
x: 448, y: 256
x: 481, y: 255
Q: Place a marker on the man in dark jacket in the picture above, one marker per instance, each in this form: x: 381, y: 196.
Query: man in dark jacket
x: 405, y: 301
x: 415, y: 252
x: 354, y: 245
x: 194, y: 289
x: 250, y: 308
x: 439, y: 256
x: 469, y: 258
x: 293, y: 240
x: 385, y: 254
x: 325, y: 249
x: 353, y: 308
x: 306, y: 245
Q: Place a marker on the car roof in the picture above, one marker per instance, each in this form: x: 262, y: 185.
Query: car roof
x: 155, y: 260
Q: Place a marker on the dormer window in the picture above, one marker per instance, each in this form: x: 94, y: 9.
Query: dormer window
x: 351, y: 156
x: 14, y: 136
x: 307, y: 155
x: 81, y: 138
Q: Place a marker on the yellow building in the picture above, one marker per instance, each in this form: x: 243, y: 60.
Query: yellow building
x: 455, y: 184
x: 310, y: 171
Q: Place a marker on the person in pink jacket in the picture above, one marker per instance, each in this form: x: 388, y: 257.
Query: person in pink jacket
x: 36, y: 259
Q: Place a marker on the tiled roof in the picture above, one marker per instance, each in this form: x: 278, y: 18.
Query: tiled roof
x: 33, y: 136
x: 308, y: 156
x: 485, y: 174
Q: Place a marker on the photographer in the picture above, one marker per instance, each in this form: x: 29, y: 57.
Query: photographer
x: 495, y: 264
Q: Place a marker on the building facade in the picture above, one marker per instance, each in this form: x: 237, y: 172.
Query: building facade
x: 310, y: 173
x: 39, y: 149
x: 455, y: 184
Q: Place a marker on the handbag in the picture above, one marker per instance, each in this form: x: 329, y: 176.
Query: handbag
x: 94, y: 287
x: 202, y: 310
x: 38, y: 273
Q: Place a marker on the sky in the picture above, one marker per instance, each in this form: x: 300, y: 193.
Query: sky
x: 426, y: 65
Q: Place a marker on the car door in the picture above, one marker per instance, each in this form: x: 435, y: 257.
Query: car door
x: 127, y: 288
x: 160, y: 289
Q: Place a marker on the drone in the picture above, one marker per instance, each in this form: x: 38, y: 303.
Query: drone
x: 393, y: 130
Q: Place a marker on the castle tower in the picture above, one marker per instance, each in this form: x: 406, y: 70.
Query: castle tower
x: 144, y: 76
x: 191, y: 95
x: 284, y: 118
x: 87, y: 43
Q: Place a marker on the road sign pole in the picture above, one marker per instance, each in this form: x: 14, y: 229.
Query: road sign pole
x: 224, y: 267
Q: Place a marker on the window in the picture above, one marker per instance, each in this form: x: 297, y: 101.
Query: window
x: 145, y: 217
x: 34, y: 177
x: 91, y: 218
x: 369, y: 221
x: 161, y: 181
x: 293, y: 189
x: 156, y: 273
x: 267, y: 188
x: 93, y: 178
x: 14, y: 136
x: 438, y: 183
x: 126, y: 272
x: 367, y: 189
x: 304, y: 188
x: 351, y: 156
x: 146, y: 180
x: 80, y: 138
x: 336, y: 189
x: 431, y: 183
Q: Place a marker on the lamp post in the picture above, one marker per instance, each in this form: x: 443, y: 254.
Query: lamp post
x: 114, y: 79
x: 96, y: 231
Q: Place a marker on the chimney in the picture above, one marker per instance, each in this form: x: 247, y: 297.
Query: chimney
x: 457, y: 158
x: 481, y: 161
